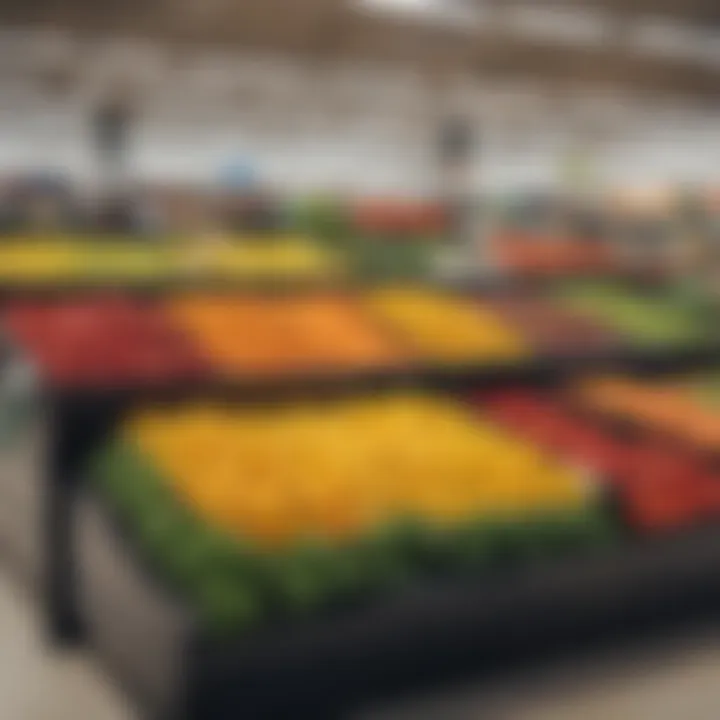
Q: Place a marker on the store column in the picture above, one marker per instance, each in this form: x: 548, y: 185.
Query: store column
x: 112, y: 121
x: 456, y: 145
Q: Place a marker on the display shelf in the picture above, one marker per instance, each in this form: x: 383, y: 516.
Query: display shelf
x: 75, y: 419
x: 79, y: 420
x: 397, y: 644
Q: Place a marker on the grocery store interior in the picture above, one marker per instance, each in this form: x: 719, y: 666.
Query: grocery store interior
x: 358, y: 359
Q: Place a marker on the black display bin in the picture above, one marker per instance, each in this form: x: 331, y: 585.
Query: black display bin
x: 403, y: 643
x: 81, y: 420
x: 95, y: 590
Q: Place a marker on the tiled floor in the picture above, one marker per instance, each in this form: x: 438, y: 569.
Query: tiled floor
x: 676, y: 679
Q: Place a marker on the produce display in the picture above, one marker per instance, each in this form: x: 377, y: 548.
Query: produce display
x: 377, y: 238
x: 256, y: 542
x: 646, y: 318
x: 399, y: 220
x: 255, y: 513
x: 323, y: 218
x: 659, y: 485
x: 117, y: 261
x: 527, y: 254
x: 289, y: 257
x: 38, y: 261
x: 394, y: 327
x: 704, y: 388
x: 69, y: 261
x: 446, y: 328
x: 101, y: 341
x: 75, y: 261
x: 551, y: 329
x: 382, y: 260
x: 676, y: 411
x: 283, y: 334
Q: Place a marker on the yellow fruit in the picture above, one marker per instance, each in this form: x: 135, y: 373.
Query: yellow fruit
x: 338, y: 469
x: 262, y: 258
x: 443, y: 327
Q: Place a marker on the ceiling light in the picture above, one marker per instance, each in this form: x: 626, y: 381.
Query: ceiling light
x: 459, y: 14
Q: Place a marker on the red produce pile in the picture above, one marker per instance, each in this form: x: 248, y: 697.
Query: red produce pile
x: 528, y: 253
x: 101, y: 342
x: 398, y: 217
x: 659, y: 486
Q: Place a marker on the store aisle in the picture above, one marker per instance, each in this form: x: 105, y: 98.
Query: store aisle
x: 39, y: 684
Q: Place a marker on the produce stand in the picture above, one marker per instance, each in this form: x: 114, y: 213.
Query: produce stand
x: 78, y: 421
x: 93, y: 582
x: 401, y: 643
x: 75, y: 421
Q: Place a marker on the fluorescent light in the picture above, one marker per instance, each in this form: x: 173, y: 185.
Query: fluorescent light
x: 458, y: 14
x: 399, y: 4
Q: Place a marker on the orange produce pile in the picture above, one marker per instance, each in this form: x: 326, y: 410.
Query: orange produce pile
x: 662, y: 407
x: 281, y: 334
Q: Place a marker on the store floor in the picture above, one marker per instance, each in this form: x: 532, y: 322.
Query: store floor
x: 663, y: 679
x: 670, y: 678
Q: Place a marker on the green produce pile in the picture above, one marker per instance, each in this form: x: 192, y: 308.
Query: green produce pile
x: 368, y: 256
x: 648, y: 318
x: 391, y: 261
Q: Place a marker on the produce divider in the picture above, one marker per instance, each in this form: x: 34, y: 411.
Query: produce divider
x: 150, y: 289
x: 499, y: 283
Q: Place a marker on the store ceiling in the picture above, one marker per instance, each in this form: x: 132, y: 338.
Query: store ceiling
x: 688, y: 9
x: 333, y: 29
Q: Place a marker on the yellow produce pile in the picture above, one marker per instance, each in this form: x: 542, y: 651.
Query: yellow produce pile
x: 20, y: 262
x: 336, y: 470
x: 72, y: 261
x: 446, y: 328
x: 28, y: 261
x: 290, y: 256
x: 117, y: 261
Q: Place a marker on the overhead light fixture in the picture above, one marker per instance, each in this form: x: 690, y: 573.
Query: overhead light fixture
x: 457, y: 14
